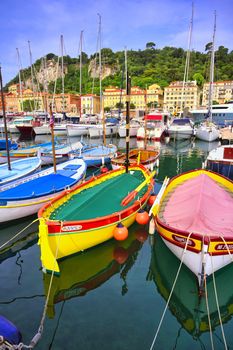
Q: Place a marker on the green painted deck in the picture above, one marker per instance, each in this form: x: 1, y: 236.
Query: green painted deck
x: 101, y: 200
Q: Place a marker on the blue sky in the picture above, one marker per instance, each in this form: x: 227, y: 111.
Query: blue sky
x: 130, y: 23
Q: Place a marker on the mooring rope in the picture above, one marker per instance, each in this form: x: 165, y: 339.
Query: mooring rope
x: 228, y: 250
x: 170, y: 295
x: 216, y: 298
x: 17, y: 234
x: 38, y: 335
x: 208, y: 312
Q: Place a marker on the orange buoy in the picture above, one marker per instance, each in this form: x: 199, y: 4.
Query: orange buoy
x: 142, y: 217
x: 120, y: 232
x: 141, y: 235
x: 152, y: 199
x: 120, y: 254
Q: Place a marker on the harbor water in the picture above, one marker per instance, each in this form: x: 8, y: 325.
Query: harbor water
x: 113, y: 296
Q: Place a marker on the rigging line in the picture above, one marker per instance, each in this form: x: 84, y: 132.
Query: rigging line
x: 19, y: 263
x: 177, y: 337
x: 56, y: 328
x: 55, y: 84
x: 228, y: 250
x: 216, y: 298
x: 17, y: 234
x: 95, y: 62
x: 170, y: 295
x: 21, y: 298
x: 208, y: 312
x: 38, y: 335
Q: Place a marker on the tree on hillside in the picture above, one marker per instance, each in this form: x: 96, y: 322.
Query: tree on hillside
x: 199, y: 79
x: 208, y: 46
x: 150, y: 45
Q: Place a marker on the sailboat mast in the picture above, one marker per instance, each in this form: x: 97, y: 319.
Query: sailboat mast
x: 62, y: 71
x: 80, y: 72
x: 186, y: 69
x: 100, y: 77
x: 212, y: 71
x: 128, y: 86
x: 32, y: 77
x: 4, y: 118
x: 20, y: 81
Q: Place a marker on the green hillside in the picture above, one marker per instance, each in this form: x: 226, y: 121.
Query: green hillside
x: 145, y: 67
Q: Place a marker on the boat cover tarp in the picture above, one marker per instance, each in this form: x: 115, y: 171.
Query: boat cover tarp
x: 155, y: 117
x: 200, y: 205
x: 100, y: 200
x: 98, y: 151
x: 41, y: 186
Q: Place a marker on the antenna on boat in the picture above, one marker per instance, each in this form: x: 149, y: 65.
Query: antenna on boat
x: 51, y: 123
x: 128, y: 87
x: 211, y: 72
x: 4, y: 118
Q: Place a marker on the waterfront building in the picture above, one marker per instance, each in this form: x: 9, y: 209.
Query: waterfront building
x: 178, y: 96
x: 16, y: 99
x: 222, y: 92
x: 90, y: 104
x: 139, y: 98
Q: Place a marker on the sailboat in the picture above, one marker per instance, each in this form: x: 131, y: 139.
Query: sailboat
x: 18, y: 169
x: 25, y: 196
x: 182, y: 128
x: 208, y: 131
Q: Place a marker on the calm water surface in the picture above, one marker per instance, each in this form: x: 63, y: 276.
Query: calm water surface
x: 113, y: 296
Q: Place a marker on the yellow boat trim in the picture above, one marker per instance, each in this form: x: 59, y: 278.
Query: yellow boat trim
x: 178, y: 238
x: 220, y: 247
x: 26, y: 204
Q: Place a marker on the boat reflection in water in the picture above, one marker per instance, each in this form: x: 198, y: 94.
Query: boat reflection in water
x: 186, y: 303
x: 86, y: 271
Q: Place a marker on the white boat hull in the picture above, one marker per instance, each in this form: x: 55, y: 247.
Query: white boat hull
x: 42, y: 130
x: 194, y: 261
x: 97, y: 131
x: 76, y: 130
x: 132, y: 131
x: 208, y: 134
x: 15, y: 209
x: 180, y: 133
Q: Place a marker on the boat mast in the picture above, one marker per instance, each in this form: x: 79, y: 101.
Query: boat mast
x: 128, y: 86
x: 186, y: 69
x: 212, y: 72
x: 62, y: 71
x: 20, y: 81
x: 80, y: 70
x: 100, y: 77
x: 32, y: 77
x: 51, y: 123
x: 4, y: 118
